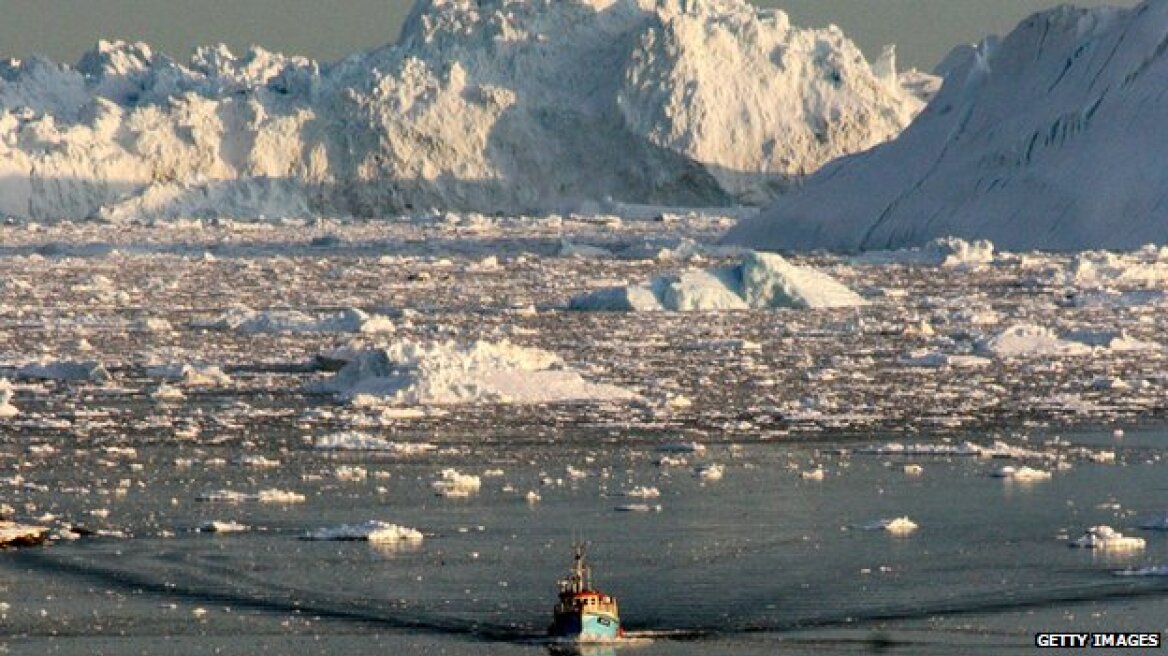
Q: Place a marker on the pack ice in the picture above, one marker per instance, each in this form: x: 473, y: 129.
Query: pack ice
x: 1050, y: 139
x: 761, y: 280
x: 503, y: 105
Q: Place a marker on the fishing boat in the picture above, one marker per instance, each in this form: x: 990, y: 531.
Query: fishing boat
x: 584, y: 614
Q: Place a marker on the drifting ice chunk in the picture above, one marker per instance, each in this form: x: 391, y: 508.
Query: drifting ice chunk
x: 13, y: 534
x: 1105, y: 537
x: 371, y: 531
x: 248, y: 321
x: 1029, y: 340
x: 191, y: 375
x: 353, y: 441
x: 1012, y: 473
x: 455, y: 484
x: 1153, y: 570
x: 710, y: 472
x: 896, y: 526
x: 271, y: 495
x: 638, y: 507
x: 943, y: 252
x: 7, y: 410
x: 762, y: 280
x: 408, y: 373
x: 217, y: 526
x: 91, y: 372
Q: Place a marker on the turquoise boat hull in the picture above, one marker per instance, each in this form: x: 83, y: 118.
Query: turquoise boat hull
x: 586, y: 626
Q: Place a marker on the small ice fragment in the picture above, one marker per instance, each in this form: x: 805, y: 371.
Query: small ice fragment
x: 532, y: 496
x: 644, y: 492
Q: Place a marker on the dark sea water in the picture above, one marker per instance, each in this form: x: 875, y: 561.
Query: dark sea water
x: 762, y: 561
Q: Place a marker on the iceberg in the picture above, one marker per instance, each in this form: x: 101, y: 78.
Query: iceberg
x: 1047, y: 139
x: 413, y: 373
x: 761, y: 280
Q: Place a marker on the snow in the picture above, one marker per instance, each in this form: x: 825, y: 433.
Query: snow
x: 1105, y: 537
x: 371, y: 531
x: 415, y: 373
x: 762, y: 280
x: 528, y: 104
x: 1050, y: 138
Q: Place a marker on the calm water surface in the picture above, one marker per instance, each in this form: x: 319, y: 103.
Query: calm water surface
x: 761, y: 561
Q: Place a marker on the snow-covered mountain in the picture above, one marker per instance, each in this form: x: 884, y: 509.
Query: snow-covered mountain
x: 1052, y: 138
x: 489, y: 105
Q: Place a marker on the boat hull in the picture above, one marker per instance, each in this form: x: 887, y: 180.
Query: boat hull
x: 585, y: 626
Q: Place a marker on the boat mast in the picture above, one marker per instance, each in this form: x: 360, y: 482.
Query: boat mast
x: 580, y: 572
